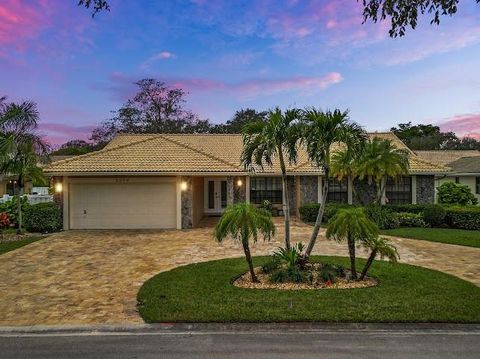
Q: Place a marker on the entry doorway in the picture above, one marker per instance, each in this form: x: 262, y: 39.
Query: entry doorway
x: 215, y: 200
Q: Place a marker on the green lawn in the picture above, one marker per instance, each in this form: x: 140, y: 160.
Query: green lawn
x: 444, y: 235
x: 203, y: 293
x: 12, y: 245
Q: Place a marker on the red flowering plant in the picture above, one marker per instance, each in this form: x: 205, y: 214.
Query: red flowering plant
x: 4, y: 221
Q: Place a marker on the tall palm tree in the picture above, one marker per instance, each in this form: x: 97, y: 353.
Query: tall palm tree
x: 276, y: 136
x: 242, y: 222
x: 381, y: 159
x: 21, y: 147
x: 343, y: 165
x: 379, y: 246
x: 352, y: 225
x: 320, y: 131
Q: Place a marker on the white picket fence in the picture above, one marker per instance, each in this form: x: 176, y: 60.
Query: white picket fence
x: 31, y: 198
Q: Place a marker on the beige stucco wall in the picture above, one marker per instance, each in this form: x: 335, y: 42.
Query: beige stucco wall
x: 198, y: 194
x: 3, y: 187
x: 465, y: 180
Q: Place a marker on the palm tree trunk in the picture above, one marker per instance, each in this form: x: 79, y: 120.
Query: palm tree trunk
x: 286, y: 202
x: 19, y: 194
x: 351, y: 252
x: 321, y: 211
x: 248, y: 256
x: 381, y: 188
x: 370, y: 260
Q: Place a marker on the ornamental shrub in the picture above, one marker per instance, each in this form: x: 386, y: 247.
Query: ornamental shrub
x: 467, y: 217
x: 407, y: 219
x: 309, y: 212
x: 455, y: 194
x: 4, y: 220
x: 383, y: 217
x: 43, y: 218
x: 11, y: 207
x: 407, y: 208
x: 434, y: 215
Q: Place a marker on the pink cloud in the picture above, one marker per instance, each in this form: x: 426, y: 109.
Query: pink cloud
x: 122, y: 87
x: 467, y: 125
x: 21, y: 20
x: 163, y: 55
x: 58, y: 133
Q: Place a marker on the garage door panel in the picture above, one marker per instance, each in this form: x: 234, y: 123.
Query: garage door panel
x: 123, y: 206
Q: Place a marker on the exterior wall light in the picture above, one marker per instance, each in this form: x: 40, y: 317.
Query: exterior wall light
x: 184, y: 186
x: 58, y: 187
x: 239, y: 183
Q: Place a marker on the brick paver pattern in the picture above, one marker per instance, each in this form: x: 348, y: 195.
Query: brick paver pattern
x: 92, y: 277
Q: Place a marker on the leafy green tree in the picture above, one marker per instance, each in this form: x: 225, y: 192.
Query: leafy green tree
x: 456, y: 193
x: 403, y: 14
x: 352, y: 225
x: 244, y: 222
x: 96, y: 5
x: 74, y: 148
x: 239, y: 121
x: 155, y: 108
x: 378, y: 160
x: 378, y: 246
x: 276, y: 136
x: 22, y: 149
x: 320, y: 131
x: 424, y: 137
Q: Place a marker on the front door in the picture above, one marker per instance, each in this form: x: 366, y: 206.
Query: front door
x: 215, y: 195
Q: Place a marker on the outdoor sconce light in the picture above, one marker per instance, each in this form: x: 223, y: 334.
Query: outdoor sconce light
x: 239, y: 183
x: 183, y: 186
x: 58, y: 187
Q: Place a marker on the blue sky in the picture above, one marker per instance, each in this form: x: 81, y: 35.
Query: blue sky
x: 235, y: 54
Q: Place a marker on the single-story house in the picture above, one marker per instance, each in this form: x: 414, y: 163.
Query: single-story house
x: 464, y: 164
x: 174, y: 180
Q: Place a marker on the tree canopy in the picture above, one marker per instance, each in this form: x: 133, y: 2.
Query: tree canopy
x: 403, y: 14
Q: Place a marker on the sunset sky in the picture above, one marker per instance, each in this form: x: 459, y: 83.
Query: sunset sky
x: 236, y: 54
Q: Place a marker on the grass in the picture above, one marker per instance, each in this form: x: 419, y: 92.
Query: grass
x: 203, y: 293
x: 12, y: 245
x: 461, y: 237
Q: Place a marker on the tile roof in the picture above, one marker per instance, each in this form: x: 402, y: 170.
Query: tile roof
x: 192, y: 153
x: 445, y: 157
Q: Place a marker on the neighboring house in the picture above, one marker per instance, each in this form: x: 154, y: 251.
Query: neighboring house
x: 173, y: 181
x: 465, y: 166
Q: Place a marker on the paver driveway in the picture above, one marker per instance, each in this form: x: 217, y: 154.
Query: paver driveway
x: 92, y: 277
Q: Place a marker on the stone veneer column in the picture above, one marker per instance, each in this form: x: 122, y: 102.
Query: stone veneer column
x: 187, y: 204
x: 425, y: 189
x: 308, y: 190
x: 230, y: 190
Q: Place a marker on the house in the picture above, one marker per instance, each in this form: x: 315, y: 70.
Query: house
x: 464, y: 164
x: 174, y: 180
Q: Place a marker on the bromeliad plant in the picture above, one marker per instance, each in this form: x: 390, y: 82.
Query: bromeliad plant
x: 244, y: 222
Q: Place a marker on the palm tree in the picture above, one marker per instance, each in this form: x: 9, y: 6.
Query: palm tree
x: 276, y: 136
x: 21, y: 147
x: 343, y: 165
x: 320, y: 131
x: 242, y: 222
x: 381, y: 246
x: 351, y: 224
x: 378, y: 160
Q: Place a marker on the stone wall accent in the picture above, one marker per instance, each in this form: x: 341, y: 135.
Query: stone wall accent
x: 308, y: 190
x: 187, y: 204
x: 366, y: 192
x: 292, y: 191
x: 230, y: 190
x: 239, y: 192
x: 425, y: 189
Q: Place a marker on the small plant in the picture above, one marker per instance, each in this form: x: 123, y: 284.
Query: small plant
x: 4, y: 222
x: 382, y: 216
x: 328, y: 273
x: 456, y: 193
x: 434, y: 215
x: 411, y: 220
x: 291, y: 257
x: 379, y: 246
x: 267, y: 206
x: 291, y: 274
x: 270, y: 266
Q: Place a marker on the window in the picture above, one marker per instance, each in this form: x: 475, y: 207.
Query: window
x: 399, y: 190
x: 477, y: 185
x: 457, y: 180
x: 266, y: 188
x: 337, y: 190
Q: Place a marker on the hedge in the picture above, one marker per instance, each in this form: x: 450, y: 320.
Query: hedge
x: 407, y: 208
x: 309, y: 212
x: 463, y: 217
x: 43, y: 218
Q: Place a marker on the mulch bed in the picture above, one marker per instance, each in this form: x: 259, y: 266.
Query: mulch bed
x: 245, y: 281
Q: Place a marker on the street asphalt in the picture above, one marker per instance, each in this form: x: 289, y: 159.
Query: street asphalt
x: 244, y: 341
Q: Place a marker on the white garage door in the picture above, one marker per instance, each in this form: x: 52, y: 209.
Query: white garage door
x: 122, y: 205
